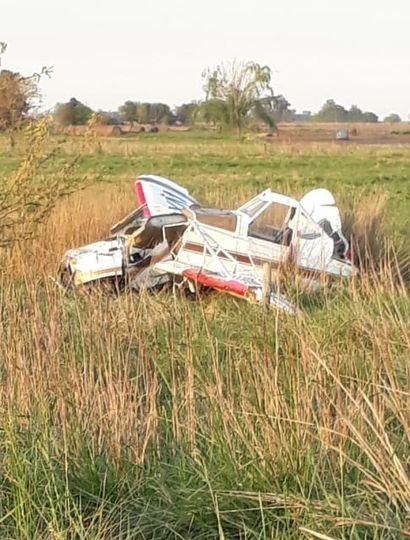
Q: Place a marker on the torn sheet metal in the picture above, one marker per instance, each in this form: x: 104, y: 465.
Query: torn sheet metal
x: 171, y: 238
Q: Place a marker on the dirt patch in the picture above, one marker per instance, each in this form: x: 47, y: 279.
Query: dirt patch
x: 368, y: 134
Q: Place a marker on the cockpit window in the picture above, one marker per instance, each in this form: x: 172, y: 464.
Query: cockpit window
x: 253, y: 207
x: 271, y: 225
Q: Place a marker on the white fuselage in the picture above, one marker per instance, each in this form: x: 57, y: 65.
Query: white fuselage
x: 238, y: 250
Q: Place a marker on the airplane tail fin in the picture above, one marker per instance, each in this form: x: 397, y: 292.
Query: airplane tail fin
x: 159, y: 196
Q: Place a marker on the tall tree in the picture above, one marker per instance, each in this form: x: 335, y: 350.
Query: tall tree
x: 331, y: 112
x: 128, y: 111
x: 159, y: 113
x: 186, y: 112
x: 355, y: 114
x: 143, y: 112
x: 214, y: 112
x: 240, y: 85
x: 14, y: 102
x: 107, y: 118
x: 263, y: 111
x: 370, y: 117
x: 18, y: 97
x: 72, y: 113
x: 393, y: 118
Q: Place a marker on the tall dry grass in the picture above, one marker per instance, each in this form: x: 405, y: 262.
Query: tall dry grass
x: 296, y: 422
x: 152, y: 417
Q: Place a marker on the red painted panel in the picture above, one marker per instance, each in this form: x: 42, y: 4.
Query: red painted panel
x: 215, y: 282
x: 139, y: 192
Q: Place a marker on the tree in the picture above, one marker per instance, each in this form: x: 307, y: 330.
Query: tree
x: 214, y: 112
x: 263, y: 111
x: 331, y: 112
x: 107, y: 118
x: 18, y: 97
x: 72, y: 113
x: 14, y: 103
x: 271, y: 110
x: 370, y: 117
x: 186, y: 112
x: 281, y: 108
x: 354, y: 114
x: 128, y: 112
x: 28, y: 194
x: 159, y: 113
x: 393, y: 118
x: 144, y: 113
x: 239, y: 85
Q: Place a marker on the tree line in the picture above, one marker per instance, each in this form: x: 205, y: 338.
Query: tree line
x: 214, y: 112
x: 236, y: 95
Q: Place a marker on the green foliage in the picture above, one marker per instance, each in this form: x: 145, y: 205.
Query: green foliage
x: 238, y: 86
x: 145, y: 416
x: 332, y: 112
x: 280, y: 108
x: 19, y: 96
x: 106, y: 118
x: 214, y: 112
x: 187, y: 113
x: 160, y: 418
x: 145, y: 113
x: 156, y: 113
x: 369, y: 117
x: 200, y: 158
x: 15, y: 93
x: 263, y: 114
x: 272, y: 110
x: 392, y: 118
x: 72, y: 113
x: 27, y: 195
x: 355, y: 114
x: 128, y: 111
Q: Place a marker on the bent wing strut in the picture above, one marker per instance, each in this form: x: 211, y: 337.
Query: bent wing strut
x: 215, y: 274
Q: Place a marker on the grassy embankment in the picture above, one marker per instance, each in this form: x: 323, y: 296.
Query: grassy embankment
x: 155, y: 417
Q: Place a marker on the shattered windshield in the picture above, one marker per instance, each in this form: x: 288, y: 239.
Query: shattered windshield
x: 133, y: 219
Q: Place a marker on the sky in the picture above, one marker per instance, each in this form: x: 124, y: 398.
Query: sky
x: 108, y: 51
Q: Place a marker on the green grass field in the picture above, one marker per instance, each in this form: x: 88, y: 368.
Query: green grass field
x: 142, y: 417
x: 209, y: 162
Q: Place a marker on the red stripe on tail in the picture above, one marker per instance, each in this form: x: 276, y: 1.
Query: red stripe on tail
x: 140, y: 195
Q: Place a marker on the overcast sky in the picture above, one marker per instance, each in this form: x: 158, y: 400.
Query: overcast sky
x: 105, y: 52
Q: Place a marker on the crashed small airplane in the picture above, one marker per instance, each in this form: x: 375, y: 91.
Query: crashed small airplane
x: 171, y: 239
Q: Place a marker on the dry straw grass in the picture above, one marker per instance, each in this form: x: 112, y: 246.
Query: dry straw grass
x: 204, y: 419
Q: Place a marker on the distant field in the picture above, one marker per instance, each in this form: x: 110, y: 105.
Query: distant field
x: 360, y: 133
x: 157, y: 417
x: 225, y: 170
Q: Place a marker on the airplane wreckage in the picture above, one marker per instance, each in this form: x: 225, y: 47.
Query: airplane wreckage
x: 171, y: 239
